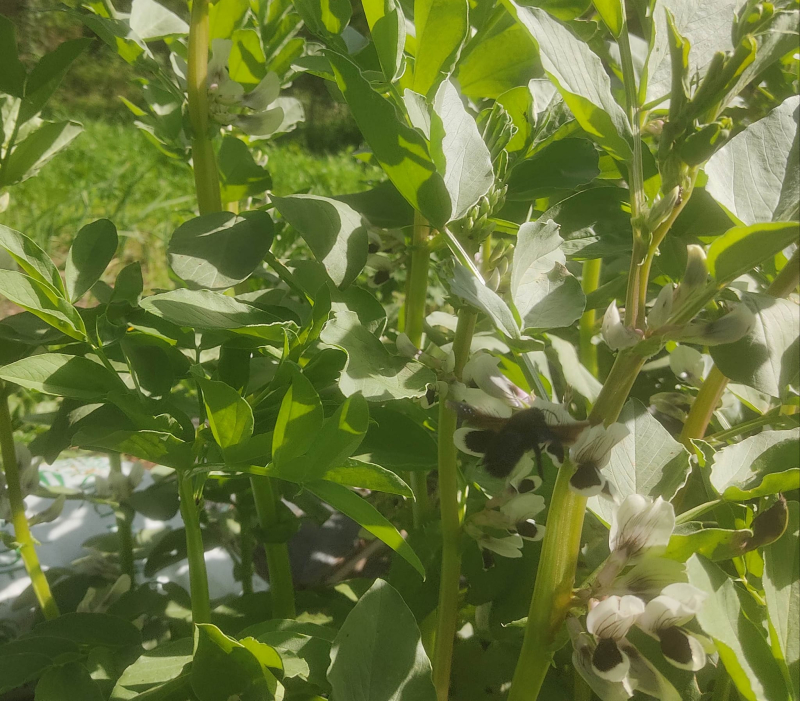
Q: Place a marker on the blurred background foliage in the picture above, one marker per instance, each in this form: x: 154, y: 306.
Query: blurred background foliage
x: 112, y: 171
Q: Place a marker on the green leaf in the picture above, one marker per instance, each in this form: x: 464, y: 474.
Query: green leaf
x: 378, y: 653
x: 332, y: 231
x: 32, y: 259
x: 204, y: 309
x: 766, y: 463
x: 91, y: 629
x: 154, y: 446
x: 545, y: 293
x: 129, y: 285
x: 580, y: 77
x: 563, y: 165
x: 497, y: 64
x: 366, y: 475
x: 246, y: 62
x: 158, y: 502
x: 755, y: 175
x: 155, y: 667
x: 387, y: 24
x: 17, y: 669
x: 42, y: 299
x: 766, y: 358
x: 38, y: 147
x: 459, y: 151
x: 229, y: 416
x: 12, y: 77
x: 219, y: 250
x: 648, y: 461
x: 224, y: 667
x: 613, y: 14
x: 398, y: 442
x: 300, y: 418
x: 62, y: 375
x: 367, y: 516
x: 240, y: 176
x: 325, y: 17
x: 337, y: 439
x: 70, y: 682
x: 91, y: 252
x: 467, y: 286
x: 400, y: 149
x: 370, y: 369
x: 150, y: 21
x: 742, y: 248
x: 575, y: 373
x: 441, y: 29
x: 713, y: 543
x: 47, y: 74
x: 224, y: 16
x: 518, y: 102
x: 782, y: 593
x: 742, y: 647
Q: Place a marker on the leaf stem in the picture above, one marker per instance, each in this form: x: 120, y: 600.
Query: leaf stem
x: 124, y: 514
x: 195, y: 550
x: 247, y: 544
x: 450, y: 508
x: 204, y: 163
x: 589, y: 282
x: 280, y: 569
x: 22, y: 531
x: 414, y: 321
x: 699, y: 510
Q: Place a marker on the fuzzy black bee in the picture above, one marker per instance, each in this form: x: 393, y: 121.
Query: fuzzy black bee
x: 502, y: 442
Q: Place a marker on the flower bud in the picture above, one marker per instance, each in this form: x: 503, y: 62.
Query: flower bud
x: 641, y: 525
x: 662, y: 307
x: 769, y: 525
x: 695, y: 275
x: 663, y: 208
x: 726, y: 329
x: 614, y: 332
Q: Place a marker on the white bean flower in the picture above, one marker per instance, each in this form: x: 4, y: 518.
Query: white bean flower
x: 483, y: 370
x: 609, y: 621
x: 641, y: 525
x: 664, y: 618
x: 590, y: 453
x: 648, y: 577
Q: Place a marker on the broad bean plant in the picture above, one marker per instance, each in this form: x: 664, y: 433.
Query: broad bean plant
x: 548, y: 363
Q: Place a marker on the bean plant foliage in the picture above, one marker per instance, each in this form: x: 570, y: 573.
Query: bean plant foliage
x: 548, y: 363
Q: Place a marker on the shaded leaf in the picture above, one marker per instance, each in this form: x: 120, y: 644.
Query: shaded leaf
x: 229, y: 416
x: 63, y: 375
x: 441, y: 28
x: 91, y: 252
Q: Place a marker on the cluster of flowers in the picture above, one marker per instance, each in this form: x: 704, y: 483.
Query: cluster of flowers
x: 652, y: 595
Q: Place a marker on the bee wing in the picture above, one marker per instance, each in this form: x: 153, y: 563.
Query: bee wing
x: 478, y: 418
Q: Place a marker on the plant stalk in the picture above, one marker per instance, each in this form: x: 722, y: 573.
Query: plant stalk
x: 280, y: 570
x: 22, y: 531
x: 450, y: 508
x: 198, y: 578
x: 247, y: 544
x: 124, y: 515
x: 589, y: 282
x: 204, y: 162
x: 715, y: 383
x: 414, y: 322
x: 553, y: 591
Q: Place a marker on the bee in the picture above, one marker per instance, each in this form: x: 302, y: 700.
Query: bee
x: 502, y: 442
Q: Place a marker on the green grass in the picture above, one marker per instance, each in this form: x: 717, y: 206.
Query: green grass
x: 112, y: 171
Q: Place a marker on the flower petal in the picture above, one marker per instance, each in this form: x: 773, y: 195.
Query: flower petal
x: 682, y: 650
x: 260, y: 124
x: 614, y: 332
x: 523, y: 507
x: 483, y: 369
x: 641, y: 524
x: 264, y: 94
x: 613, y: 617
x: 594, y: 444
x: 609, y: 662
x: 473, y: 441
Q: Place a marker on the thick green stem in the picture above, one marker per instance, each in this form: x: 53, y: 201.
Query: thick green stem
x: 615, y: 391
x: 22, y: 531
x: 697, y: 511
x: 553, y: 591
x: 204, y: 162
x: 247, y: 544
x: 414, y: 321
x: 450, y: 508
x: 280, y: 570
x: 124, y: 515
x: 715, y: 383
x: 589, y: 281
x: 198, y: 578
